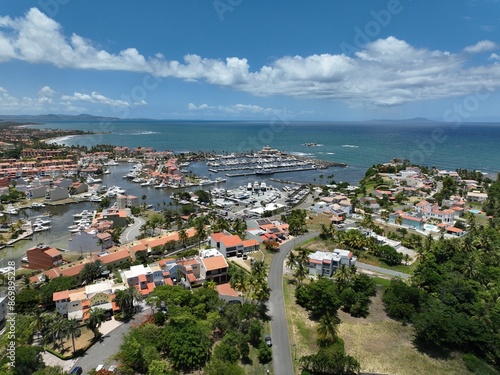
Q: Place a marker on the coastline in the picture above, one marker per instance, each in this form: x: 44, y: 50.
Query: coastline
x: 59, y: 140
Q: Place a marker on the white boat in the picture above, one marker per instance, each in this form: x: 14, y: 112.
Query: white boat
x: 11, y: 210
x: 219, y: 180
x: 111, y: 162
x: 263, y: 186
x: 256, y: 185
x: 206, y: 182
x: 41, y: 221
x: 91, y: 180
x: 131, y: 160
x: 106, y: 171
x: 249, y: 186
x: 149, y: 182
x: 40, y: 228
x: 95, y: 198
x: 161, y: 185
x: 83, y: 213
x: 37, y: 205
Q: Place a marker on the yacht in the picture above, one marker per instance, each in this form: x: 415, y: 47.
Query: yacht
x: 219, y: 180
x: 111, y: 163
x: 91, y: 180
x: 256, y: 185
x: 161, y: 185
x: 95, y: 198
x: 11, y: 210
x: 37, y: 205
x: 41, y: 221
x: 149, y: 182
x: 106, y: 171
x: 263, y: 186
x: 206, y: 181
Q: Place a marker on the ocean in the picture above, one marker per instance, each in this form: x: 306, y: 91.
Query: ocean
x: 358, y: 144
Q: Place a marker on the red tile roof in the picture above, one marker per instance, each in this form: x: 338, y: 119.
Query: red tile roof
x: 214, y: 263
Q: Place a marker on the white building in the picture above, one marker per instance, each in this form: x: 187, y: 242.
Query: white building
x: 326, y: 263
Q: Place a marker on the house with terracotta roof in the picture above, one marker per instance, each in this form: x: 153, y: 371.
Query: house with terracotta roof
x: 454, y: 231
x: 114, y: 257
x: 213, y: 266
x: 410, y: 220
x: 141, y: 277
x: 43, y: 256
x: 78, y: 303
x: 232, y: 245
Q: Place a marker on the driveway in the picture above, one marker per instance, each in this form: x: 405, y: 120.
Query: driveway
x: 383, y: 271
x: 130, y: 233
x: 282, y: 358
x: 103, y: 351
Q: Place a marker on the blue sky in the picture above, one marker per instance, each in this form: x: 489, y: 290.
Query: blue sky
x: 252, y: 59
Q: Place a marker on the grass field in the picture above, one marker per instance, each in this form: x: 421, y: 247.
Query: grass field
x: 380, y: 344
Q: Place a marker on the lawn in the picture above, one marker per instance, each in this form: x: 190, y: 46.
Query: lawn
x: 81, y: 342
x: 381, y: 344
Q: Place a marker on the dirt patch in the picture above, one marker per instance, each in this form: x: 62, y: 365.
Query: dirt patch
x: 80, y: 342
x: 385, y: 346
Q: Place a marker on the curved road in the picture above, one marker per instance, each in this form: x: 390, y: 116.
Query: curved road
x: 282, y: 358
x: 130, y: 233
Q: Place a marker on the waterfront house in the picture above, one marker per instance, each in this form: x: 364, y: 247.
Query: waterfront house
x: 56, y: 194
x: 43, y: 257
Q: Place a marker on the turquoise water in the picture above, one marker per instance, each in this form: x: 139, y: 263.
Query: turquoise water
x: 359, y: 144
x: 474, y: 211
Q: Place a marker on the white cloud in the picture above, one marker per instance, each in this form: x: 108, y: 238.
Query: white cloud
x: 236, y: 109
x: 95, y: 98
x: 386, y: 72
x: 45, y: 100
x: 481, y: 46
x: 494, y: 56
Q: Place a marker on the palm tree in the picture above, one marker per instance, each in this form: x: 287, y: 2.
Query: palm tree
x: 122, y: 299
x: 96, y: 317
x: 73, y: 329
x: 300, y: 273
x: 201, y: 231
x: 342, y: 275
x: 134, y: 295
x: 328, y: 326
x: 183, y: 236
x: 291, y: 260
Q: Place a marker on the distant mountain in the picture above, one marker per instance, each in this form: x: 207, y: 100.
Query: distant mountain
x: 416, y: 120
x: 54, y: 117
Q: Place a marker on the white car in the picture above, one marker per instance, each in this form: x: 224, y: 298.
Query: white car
x: 99, y: 368
x: 112, y: 369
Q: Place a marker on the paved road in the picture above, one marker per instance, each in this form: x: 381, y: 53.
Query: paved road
x: 384, y: 271
x: 282, y: 357
x: 130, y: 233
x: 102, y: 352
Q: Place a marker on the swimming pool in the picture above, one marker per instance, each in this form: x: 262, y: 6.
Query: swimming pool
x: 474, y: 211
x: 431, y: 228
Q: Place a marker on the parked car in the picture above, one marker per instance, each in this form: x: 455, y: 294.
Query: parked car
x: 77, y: 370
x: 245, y: 256
x: 112, y: 369
x: 99, y: 368
x: 267, y: 339
x: 235, y: 302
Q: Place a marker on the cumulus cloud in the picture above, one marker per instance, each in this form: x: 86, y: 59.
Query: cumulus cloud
x: 481, y: 46
x: 237, y: 109
x: 385, y: 72
x: 47, y: 99
x: 95, y: 98
x: 494, y: 56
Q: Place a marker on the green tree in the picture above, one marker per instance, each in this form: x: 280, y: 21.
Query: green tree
x: 73, y: 330
x: 265, y: 354
x: 328, y: 328
x: 28, y: 360
x: 96, y: 317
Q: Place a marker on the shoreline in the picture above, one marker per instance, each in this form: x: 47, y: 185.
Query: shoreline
x: 58, y: 140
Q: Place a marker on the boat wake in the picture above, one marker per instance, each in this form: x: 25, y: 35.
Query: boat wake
x: 142, y: 132
x: 350, y: 146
